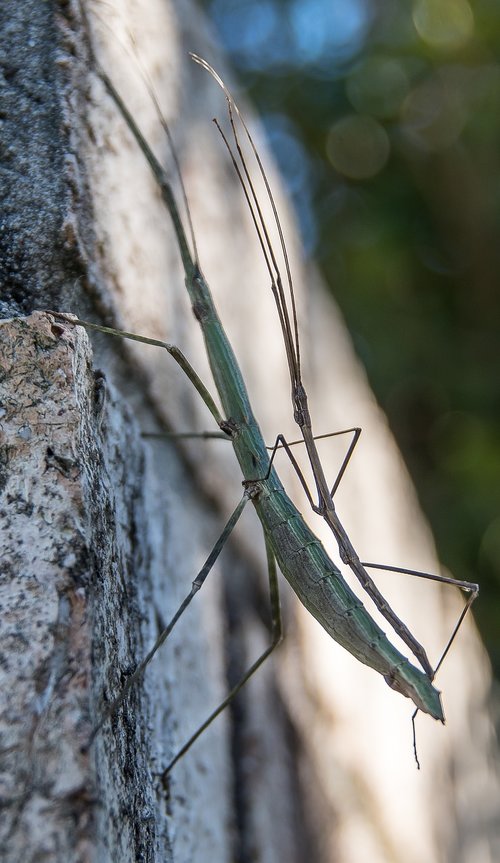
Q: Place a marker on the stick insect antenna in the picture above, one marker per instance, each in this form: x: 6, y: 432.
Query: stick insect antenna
x: 276, y: 285
x: 290, y: 334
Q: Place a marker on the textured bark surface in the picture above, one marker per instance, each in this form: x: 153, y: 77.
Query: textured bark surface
x: 315, y: 761
x: 82, y: 547
x: 72, y: 579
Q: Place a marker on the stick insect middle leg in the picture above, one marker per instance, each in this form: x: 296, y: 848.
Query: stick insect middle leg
x: 195, y: 587
x: 282, y: 443
x: 276, y: 638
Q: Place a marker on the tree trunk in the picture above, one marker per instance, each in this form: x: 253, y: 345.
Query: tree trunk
x: 105, y: 530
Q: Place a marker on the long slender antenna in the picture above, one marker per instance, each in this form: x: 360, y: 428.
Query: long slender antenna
x: 277, y: 284
x: 295, y: 346
x: 269, y: 259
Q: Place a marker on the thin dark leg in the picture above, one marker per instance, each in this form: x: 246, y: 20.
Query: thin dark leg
x: 356, y: 433
x: 197, y: 584
x: 276, y: 637
x: 174, y: 352
x: 470, y: 587
x: 281, y: 443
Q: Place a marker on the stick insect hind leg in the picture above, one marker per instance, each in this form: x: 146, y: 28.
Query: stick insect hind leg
x: 468, y: 586
x: 276, y: 638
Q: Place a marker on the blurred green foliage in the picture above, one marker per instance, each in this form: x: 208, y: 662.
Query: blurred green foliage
x: 385, y: 119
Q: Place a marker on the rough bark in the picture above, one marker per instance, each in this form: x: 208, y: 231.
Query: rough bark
x: 69, y: 567
x: 315, y: 761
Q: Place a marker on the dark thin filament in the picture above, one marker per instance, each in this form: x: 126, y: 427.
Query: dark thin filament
x: 295, y: 370
x: 268, y: 257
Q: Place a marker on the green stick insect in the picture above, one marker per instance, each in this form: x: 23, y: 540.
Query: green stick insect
x: 316, y: 580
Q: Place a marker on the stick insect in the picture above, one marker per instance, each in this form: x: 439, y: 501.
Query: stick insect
x: 289, y: 541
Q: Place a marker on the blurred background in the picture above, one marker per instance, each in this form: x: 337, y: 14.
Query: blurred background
x: 385, y: 120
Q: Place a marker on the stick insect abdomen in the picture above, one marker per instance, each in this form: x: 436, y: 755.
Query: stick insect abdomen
x: 321, y: 588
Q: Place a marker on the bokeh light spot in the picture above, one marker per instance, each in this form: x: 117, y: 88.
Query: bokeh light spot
x: 358, y: 147
x: 324, y: 28
x: 444, y: 24
x: 377, y: 86
x: 433, y: 114
x: 251, y: 31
